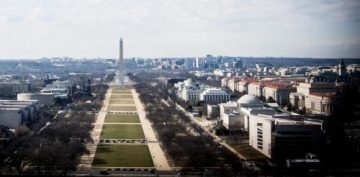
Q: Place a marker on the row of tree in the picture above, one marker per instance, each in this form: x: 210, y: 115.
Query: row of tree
x: 180, y: 138
x: 53, y: 144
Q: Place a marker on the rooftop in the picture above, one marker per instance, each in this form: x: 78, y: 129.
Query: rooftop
x: 248, y: 99
x: 327, y: 94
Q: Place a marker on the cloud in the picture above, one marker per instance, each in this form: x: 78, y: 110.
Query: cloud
x: 151, y: 28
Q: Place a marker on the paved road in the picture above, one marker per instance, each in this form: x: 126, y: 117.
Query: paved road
x: 218, y: 139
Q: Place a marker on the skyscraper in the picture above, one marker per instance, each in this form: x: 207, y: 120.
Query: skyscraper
x: 342, y: 68
x: 121, y: 64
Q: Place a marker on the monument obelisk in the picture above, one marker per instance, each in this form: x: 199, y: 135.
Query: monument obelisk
x: 121, y: 64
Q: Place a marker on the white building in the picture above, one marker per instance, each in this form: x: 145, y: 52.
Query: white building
x: 297, y: 101
x: 242, y: 86
x: 224, y: 82
x: 279, y: 93
x: 219, y: 72
x: 315, y: 87
x: 189, y: 91
x: 232, y: 83
x: 15, y: 113
x: 229, y: 107
x: 255, y: 89
x: 212, y: 111
x: 232, y: 121
x: 247, y: 111
x: 320, y: 103
x: 214, y: 95
x: 284, y: 72
x: 46, y: 99
x: 11, y: 117
x: 249, y: 101
x: 247, y: 105
x: 315, y: 97
x: 280, y: 138
x: 271, y: 133
x: 230, y: 117
x: 199, y: 63
x: 58, y: 88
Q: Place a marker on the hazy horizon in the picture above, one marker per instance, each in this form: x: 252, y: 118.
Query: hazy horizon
x: 33, y: 29
x: 175, y: 57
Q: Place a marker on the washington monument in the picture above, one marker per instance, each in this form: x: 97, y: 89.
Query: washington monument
x: 121, y: 64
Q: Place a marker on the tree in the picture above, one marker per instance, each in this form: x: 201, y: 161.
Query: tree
x: 189, y: 108
x: 110, y: 77
x: 20, y: 159
x: 270, y: 100
x: 238, y: 64
x: 262, y: 98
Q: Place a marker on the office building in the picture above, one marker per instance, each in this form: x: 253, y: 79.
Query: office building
x: 278, y: 93
x: 214, y: 95
x: 193, y: 92
x: 12, y: 88
x: 256, y: 89
x: 320, y: 103
x: 45, y: 99
x: 16, y: 113
x: 280, y: 138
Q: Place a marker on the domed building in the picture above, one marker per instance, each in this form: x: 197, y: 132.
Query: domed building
x: 249, y: 101
x: 250, y: 104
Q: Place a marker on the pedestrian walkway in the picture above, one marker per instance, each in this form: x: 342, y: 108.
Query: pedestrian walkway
x: 87, y: 159
x: 124, y: 123
x: 156, y: 151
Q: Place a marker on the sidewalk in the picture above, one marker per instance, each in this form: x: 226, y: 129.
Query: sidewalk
x: 218, y: 139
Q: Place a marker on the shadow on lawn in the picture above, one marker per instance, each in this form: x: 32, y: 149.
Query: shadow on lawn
x: 98, y: 161
x: 102, y: 149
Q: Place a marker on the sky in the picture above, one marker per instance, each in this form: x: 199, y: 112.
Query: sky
x: 179, y: 28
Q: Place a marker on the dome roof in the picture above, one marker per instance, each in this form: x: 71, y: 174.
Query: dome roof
x: 248, y: 99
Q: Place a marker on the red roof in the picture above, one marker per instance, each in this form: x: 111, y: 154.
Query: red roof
x: 278, y: 85
x: 327, y: 94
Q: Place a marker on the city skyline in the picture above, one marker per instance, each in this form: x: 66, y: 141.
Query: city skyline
x: 315, y: 29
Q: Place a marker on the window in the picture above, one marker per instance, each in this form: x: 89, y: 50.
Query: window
x: 313, y: 105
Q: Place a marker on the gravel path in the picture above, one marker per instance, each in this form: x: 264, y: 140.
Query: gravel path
x: 87, y: 159
x: 157, y: 153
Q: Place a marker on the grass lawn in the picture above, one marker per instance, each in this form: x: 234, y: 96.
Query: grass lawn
x: 114, y: 96
x: 122, y: 102
x: 121, y: 91
x: 119, y: 131
x: 122, y: 156
x: 122, y: 118
x: 122, y: 108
